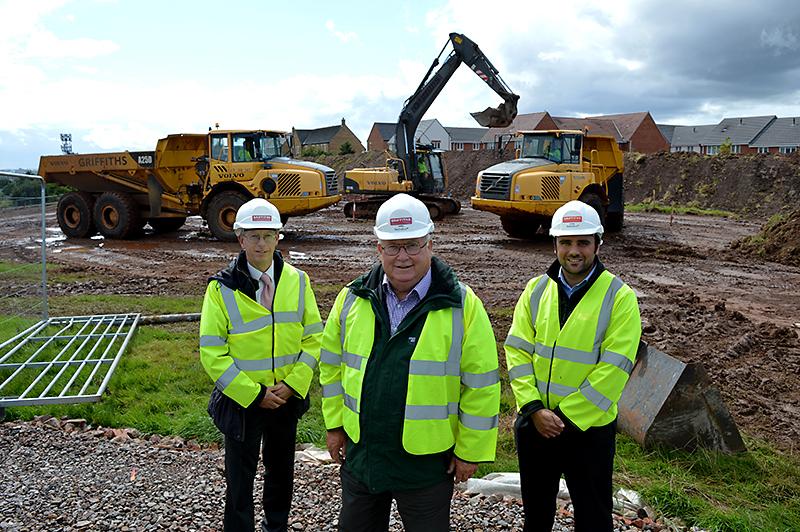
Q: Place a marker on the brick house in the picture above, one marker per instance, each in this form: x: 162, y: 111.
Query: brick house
x: 739, y: 132
x: 781, y: 136
x: 685, y: 138
x: 329, y: 139
x: 526, y: 122
x: 380, y: 135
x: 466, y: 138
x: 634, y: 131
x: 747, y: 134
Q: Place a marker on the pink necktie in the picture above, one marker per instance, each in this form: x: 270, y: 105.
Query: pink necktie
x: 268, y: 293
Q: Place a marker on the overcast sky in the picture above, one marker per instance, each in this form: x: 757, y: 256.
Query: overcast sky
x: 119, y: 75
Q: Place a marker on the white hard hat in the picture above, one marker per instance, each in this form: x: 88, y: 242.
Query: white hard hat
x: 576, y: 218
x: 401, y: 217
x: 257, y: 213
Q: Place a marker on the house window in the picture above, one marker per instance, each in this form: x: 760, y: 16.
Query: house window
x: 436, y: 143
x: 763, y: 150
x: 736, y: 149
x: 458, y: 146
x: 712, y: 150
x: 791, y: 149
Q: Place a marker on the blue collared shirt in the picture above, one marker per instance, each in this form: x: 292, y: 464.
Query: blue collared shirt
x: 397, y: 309
x: 572, y: 289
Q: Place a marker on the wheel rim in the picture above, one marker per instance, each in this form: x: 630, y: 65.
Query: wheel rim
x: 110, y: 217
x: 72, y: 216
x: 227, y: 217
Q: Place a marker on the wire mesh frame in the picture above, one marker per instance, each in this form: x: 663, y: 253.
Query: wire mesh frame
x: 76, y: 358
x: 44, y: 243
x: 77, y: 354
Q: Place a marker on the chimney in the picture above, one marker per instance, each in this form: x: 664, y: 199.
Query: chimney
x: 342, y: 121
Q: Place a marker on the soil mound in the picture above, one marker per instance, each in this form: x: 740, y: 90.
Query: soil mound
x: 777, y: 241
x: 761, y: 184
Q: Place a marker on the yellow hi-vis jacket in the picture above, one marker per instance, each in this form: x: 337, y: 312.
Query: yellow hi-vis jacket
x: 243, y: 345
x: 453, y: 382
x: 582, y: 368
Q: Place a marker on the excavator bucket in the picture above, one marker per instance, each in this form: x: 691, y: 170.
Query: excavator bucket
x: 668, y: 402
x: 502, y: 116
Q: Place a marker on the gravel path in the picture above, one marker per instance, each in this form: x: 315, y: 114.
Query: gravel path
x: 55, y: 480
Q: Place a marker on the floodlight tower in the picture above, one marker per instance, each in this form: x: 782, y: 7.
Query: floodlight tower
x: 66, y: 143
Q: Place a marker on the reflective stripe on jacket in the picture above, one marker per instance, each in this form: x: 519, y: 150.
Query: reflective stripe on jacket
x: 243, y: 345
x: 582, y: 368
x: 453, y: 381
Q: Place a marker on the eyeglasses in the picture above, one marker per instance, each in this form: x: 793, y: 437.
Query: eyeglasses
x: 255, y: 238
x: 411, y: 249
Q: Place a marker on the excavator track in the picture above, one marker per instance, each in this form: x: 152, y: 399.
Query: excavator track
x: 367, y: 208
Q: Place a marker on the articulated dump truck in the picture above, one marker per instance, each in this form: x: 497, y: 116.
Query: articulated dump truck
x: 210, y: 175
x: 551, y: 169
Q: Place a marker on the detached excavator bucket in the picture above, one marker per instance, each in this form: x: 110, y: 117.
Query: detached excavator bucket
x: 668, y: 402
x: 502, y: 116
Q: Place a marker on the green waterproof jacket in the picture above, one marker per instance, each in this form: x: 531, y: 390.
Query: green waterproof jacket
x: 578, y: 366
x: 437, y: 376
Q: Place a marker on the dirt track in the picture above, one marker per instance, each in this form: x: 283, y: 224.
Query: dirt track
x: 700, y: 300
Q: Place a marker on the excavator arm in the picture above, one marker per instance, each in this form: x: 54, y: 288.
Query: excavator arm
x: 467, y: 52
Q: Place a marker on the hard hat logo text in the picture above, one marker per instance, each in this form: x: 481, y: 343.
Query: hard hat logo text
x: 570, y: 219
x: 400, y: 221
x: 262, y: 217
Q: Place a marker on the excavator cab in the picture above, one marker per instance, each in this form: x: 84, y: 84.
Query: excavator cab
x: 430, y: 172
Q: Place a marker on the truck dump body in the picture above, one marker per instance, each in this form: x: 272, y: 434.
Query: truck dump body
x: 209, y: 175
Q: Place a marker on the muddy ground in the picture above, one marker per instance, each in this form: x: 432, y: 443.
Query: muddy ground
x: 700, y: 300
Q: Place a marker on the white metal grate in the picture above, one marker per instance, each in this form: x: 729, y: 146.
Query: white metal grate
x: 63, y: 360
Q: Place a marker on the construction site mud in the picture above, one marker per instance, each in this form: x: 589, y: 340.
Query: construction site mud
x: 701, y: 301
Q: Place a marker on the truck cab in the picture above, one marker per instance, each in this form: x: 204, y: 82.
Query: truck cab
x: 553, y: 167
x: 247, y: 164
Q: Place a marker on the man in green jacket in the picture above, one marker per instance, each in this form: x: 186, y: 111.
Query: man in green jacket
x: 410, y: 384
x: 570, y: 351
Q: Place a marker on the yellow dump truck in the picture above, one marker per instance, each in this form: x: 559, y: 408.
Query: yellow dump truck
x: 209, y: 175
x: 553, y: 167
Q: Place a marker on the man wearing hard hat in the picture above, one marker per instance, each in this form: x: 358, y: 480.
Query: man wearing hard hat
x: 569, y: 352
x: 410, y: 385
x: 260, y: 332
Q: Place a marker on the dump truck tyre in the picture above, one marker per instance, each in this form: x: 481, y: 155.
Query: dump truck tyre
x: 614, y: 221
x: 222, y: 214
x: 117, y: 215
x: 75, y: 214
x: 519, y: 228
x: 595, y: 203
x: 166, y: 225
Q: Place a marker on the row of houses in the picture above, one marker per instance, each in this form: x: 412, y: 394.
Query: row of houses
x: 750, y: 134
x: 633, y: 131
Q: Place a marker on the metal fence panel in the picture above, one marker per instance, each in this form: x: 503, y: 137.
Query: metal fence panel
x: 63, y: 360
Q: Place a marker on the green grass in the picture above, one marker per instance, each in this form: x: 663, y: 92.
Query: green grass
x: 754, y: 491
x: 160, y: 387
x: 678, y: 209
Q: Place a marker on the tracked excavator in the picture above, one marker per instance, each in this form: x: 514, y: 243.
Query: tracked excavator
x: 419, y: 170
